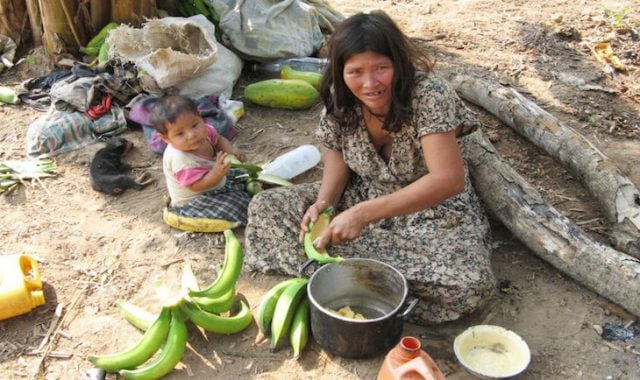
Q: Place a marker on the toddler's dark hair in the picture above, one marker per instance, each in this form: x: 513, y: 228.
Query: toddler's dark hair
x: 168, y: 108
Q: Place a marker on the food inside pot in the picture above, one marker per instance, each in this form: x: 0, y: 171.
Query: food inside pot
x: 348, y: 313
x: 368, y: 307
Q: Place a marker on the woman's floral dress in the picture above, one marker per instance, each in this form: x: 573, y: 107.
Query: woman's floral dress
x: 443, y: 251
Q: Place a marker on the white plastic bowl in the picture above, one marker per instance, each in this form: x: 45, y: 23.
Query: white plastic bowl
x: 491, y: 352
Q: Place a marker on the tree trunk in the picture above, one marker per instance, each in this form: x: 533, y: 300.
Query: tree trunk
x: 63, y: 32
x: 133, y: 12
x: 549, y: 234
x: 617, y: 195
x: 35, y: 21
x: 13, y: 15
x: 100, y: 15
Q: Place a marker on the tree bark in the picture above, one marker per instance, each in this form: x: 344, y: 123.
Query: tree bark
x: 100, y: 15
x: 549, y: 234
x: 133, y: 12
x: 62, y: 32
x: 35, y: 21
x: 12, y: 19
x: 618, y: 196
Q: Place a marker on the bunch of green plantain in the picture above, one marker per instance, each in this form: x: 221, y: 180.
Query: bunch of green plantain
x: 208, y: 308
x: 284, y: 311
x: 97, y: 47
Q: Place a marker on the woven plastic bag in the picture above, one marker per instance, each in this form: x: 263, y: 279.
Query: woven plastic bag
x: 169, y: 52
x: 219, y: 78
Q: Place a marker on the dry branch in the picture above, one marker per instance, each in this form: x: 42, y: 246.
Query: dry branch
x: 617, y: 195
x: 549, y: 234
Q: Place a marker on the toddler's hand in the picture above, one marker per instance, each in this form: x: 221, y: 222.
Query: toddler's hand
x: 222, y: 166
x: 239, y: 154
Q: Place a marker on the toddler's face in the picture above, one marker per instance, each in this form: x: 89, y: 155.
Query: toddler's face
x: 187, y: 133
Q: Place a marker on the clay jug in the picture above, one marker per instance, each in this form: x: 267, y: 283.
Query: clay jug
x: 407, y: 361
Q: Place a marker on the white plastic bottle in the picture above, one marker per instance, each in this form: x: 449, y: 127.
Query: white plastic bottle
x: 294, y: 162
x: 273, y: 68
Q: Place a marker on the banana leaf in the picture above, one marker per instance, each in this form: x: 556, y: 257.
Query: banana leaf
x: 13, y: 172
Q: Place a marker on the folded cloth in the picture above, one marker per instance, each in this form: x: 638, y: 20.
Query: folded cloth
x: 97, y: 111
x: 60, y: 131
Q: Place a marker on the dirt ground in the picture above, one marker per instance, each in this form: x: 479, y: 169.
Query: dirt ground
x: 95, y: 249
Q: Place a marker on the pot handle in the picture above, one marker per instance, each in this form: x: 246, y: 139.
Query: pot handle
x: 305, y: 267
x: 409, y: 309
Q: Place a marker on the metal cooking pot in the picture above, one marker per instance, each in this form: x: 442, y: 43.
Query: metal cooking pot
x: 370, y: 287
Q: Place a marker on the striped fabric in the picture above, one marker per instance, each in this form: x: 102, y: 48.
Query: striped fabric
x: 58, y: 131
x: 229, y: 203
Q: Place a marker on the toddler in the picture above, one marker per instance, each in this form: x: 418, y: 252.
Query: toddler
x: 199, y: 180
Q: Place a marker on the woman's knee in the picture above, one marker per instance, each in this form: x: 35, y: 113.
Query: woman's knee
x: 438, y: 304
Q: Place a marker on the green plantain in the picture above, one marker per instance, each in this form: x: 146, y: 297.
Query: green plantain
x: 137, y: 316
x: 216, y: 305
x: 170, y: 355
x: 268, y: 303
x: 300, y: 326
x: 230, y: 272
x: 216, y: 323
x: 285, y: 309
x: 139, y: 352
x: 315, y: 231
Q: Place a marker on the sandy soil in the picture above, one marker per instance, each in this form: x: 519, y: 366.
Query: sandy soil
x: 95, y: 249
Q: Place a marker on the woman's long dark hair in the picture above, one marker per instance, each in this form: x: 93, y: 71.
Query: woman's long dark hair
x: 376, y: 32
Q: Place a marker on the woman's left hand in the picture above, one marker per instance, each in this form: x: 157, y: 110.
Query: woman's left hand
x: 345, y: 226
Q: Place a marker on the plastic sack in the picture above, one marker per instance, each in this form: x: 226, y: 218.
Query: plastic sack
x: 262, y: 30
x: 170, y: 52
x: 7, y: 52
x: 219, y: 78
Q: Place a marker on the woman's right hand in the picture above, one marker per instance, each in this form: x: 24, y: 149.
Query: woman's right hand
x: 345, y: 226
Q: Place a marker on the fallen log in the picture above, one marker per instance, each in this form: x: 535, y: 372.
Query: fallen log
x: 617, y: 195
x: 550, y: 235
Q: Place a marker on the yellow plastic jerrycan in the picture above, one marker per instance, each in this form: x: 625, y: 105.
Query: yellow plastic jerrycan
x: 20, y: 285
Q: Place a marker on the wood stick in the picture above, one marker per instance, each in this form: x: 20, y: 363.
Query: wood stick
x: 550, y: 235
x: 47, y: 343
x: 52, y: 354
x: 52, y: 326
x: 617, y: 195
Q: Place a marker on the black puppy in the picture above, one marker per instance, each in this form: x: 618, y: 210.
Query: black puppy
x: 109, y: 174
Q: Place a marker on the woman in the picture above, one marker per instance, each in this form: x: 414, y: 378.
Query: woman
x: 394, y: 170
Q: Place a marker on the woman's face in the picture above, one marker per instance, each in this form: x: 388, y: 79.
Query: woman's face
x: 187, y: 133
x: 369, y: 75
